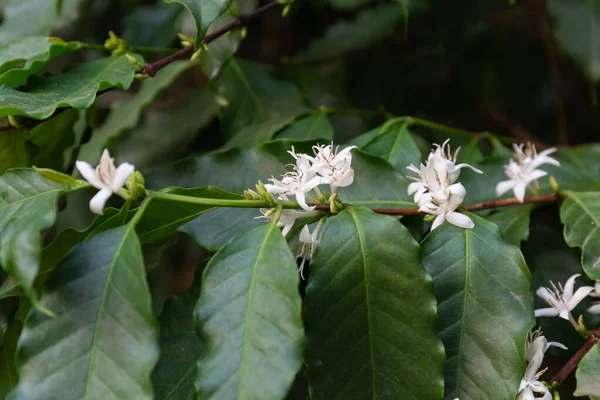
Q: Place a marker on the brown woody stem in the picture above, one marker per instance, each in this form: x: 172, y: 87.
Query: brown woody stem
x: 568, y: 368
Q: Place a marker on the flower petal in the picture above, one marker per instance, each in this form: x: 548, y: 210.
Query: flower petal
x: 301, y: 199
x: 440, y: 219
x: 525, y: 394
x: 546, y: 312
x: 305, y: 235
x: 123, y: 172
x: 460, y: 220
x: 594, y: 309
x: 89, y: 174
x: 535, y: 175
x: 570, y: 286
x: 579, y: 295
x: 504, y: 187
x: 99, y: 200
x: 520, y: 191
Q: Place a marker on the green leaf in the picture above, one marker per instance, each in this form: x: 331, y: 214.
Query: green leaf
x: 180, y: 347
x: 580, y: 213
x: 163, y: 217
x: 204, y: 13
x: 376, y: 184
x: 577, y: 27
x: 348, y: 4
x: 51, y: 138
x: 371, y: 25
x: 254, y: 96
x: 587, y: 374
x: 76, y: 88
x: 370, y: 313
x: 103, y: 342
x: 23, y: 58
x: 8, y: 367
x: 258, y: 133
x: 396, y: 146
x: 249, y: 315
x: 14, y: 150
x: 513, y: 222
x: 485, y: 308
x: 162, y: 18
x: 126, y: 114
x: 27, y: 206
x: 316, y: 126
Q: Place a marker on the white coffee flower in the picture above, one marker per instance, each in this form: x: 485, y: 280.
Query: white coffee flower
x: 334, y: 165
x: 309, y: 243
x: 524, y: 172
x: 286, y: 219
x: 562, y: 300
x: 295, y: 184
x: 595, y: 307
x: 445, y: 205
x: 106, y: 177
x: 439, y: 172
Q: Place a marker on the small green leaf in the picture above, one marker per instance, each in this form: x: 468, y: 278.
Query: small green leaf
x: 126, y: 114
x: 23, y: 58
x: 370, y: 313
x: 104, y: 335
x: 580, y: 213
x: 76, y: 88
x: 588, y: 383
x: 513, y: 222
x: 204, y: 13
x: 316, y: 126
x: 249, y: 317
x: 485, y: 306
x: 396, y: 146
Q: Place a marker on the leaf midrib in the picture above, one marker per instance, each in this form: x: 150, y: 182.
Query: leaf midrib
x: 464, y: 312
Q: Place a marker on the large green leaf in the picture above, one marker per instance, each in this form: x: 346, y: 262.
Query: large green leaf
x: 103, y: 342
x: 180, y: 347
x: 485, y: 306
x: 126, y: 114
x: 513, y: 222
x: 316, y: 126
x: 76, y: 88
x: 577, y: 26
x: 370, y: 313
x: 249, y: 317
x: 27, y: 206
x: 588, y: 383
x: 8, y: 367
x: 580, y: 213
x: 254, y: 96
x: 204, y: 13
x: 395, y: 145
x: 23, y: 58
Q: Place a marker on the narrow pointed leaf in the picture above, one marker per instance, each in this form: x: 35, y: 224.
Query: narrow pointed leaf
x: 396, y: 146
x: 76, y: 88
x: 103, y: 342
x: 580, y: 213
x: 485, y: 308
x: 249, y: 318
x: 204, y: 13
x: 370, y: 313
x: 588, y: 383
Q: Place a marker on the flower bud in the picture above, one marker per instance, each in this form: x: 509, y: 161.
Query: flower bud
x: 554, y: 184
x: 136, y: 185
x: 250, y: 194
x: 335, y: 205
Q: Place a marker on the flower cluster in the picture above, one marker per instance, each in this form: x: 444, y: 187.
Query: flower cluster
x: 524, y: 172
x: 435, y: 188
x: 106, y: 177
x: 537, y: 345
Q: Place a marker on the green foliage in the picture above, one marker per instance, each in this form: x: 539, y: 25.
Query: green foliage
x: 395, y: 145
x: 587, y: 374
x: 581, y: 215
x: 204, y: 13
x: 104, y: 330
x: 513, y: 223
x: 76, y: 88
x: 370, y: 313
x: 8, y: 350
x: 253, y: 332
x: 485, y: 306
x: 313, y: 127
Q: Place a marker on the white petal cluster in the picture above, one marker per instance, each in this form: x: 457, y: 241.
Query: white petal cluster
x: 562, y: 300
x: 524, y: 171
x: 326, y: 167
x: 309, y: 243
x: 595, y: 307
x: 106, y: 177
x: 537, y: 346
x: 435, y: 189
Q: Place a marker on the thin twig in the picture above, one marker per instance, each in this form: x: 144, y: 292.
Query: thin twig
x: 151, y: 69
x: 566, y: 370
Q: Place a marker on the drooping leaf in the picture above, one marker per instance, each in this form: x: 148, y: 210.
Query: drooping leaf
x: 27, y: 206
x: 513, y: 222
x: 23, y: 58
x: 485, y: 308
x: 103, y: 342
x: 126, y: 114
x: 396, y: 146
x: 204, y: 13
x: 249, y: 317
x: 8, y: 366
x: 576, y: 27
x: 254, y: 96
x: 174, y: 375
x: 370, y: 313
x: 14, y: 149
x: 588, y: 383
x: 76, y: 88
x: 316, y: 126
x: 580, y: 213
